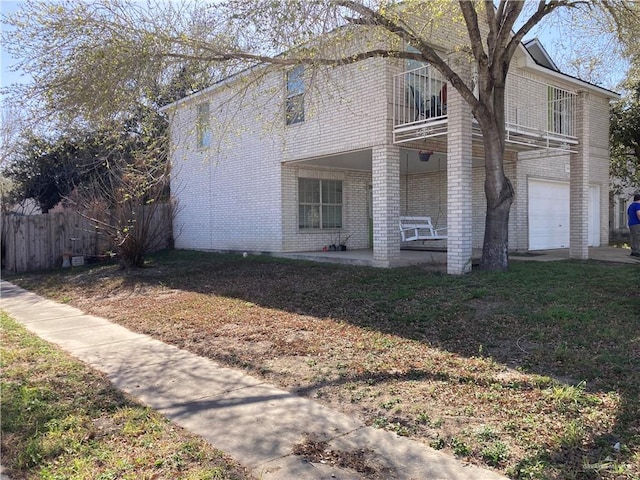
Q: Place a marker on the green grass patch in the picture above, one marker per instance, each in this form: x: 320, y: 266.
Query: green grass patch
x: 61, y: 419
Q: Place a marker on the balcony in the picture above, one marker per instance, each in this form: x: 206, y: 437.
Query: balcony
x: 420, y: 105
x: 537, y: 115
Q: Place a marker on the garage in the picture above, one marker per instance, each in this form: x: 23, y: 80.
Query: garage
x: 549, y: 215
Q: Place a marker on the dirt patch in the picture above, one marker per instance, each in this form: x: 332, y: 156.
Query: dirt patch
x: 362, y: 461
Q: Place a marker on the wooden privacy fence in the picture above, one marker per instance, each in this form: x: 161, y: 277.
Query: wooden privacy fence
x: 38, y: 242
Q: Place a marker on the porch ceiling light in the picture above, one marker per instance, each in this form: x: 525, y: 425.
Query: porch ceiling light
x: 424, y: 156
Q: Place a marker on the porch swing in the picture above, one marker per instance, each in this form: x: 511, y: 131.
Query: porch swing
x: 420, y: 228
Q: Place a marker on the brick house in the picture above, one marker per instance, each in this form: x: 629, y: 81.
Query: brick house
x: 290, y: 160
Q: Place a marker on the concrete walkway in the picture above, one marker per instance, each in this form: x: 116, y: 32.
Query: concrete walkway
x: 254, y: 422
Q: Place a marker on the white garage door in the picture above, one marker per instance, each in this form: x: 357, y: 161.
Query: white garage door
x: 548, y: 215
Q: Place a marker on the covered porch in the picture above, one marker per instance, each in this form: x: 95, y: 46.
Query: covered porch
x: 433, y: 133
x: 539, y: 117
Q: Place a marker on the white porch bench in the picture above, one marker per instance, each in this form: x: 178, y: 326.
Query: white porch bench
x: 419, y: 228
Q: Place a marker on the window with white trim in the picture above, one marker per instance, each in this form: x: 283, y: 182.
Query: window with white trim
x: 319, y: 203
x: 203, y: 125
x: 294, y: 109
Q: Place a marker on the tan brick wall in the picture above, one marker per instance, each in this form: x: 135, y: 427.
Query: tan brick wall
x: 347, y: 109
x: 459, y: 185
x: 386, y: 203
x: 228, y: 193
x: 599, y: 159
x: 355, y: 189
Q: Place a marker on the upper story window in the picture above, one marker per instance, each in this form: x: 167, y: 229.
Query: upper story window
x: 413, y: 64
x: 561, y: 110
x: 426, y: 89
x: 294, y: 110
x: 319, y: 203
x: 203, y: 125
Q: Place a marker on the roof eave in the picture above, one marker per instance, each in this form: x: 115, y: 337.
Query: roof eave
x: 532, y: 65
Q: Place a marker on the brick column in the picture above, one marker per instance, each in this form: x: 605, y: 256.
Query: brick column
x: 579, y: 183
x: 385, y: 165
x: 459, y: 184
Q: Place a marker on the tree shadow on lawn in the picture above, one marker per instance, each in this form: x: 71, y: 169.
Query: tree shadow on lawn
x: 573, y: 321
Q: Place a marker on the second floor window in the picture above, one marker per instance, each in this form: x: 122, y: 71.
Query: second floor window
x: 561, y: 108
x: 294, y: 110
x: 426, y: 89
x: 203, y: 126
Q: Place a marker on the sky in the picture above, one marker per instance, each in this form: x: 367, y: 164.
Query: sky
x: 554, y: 42
x: 6, y: 76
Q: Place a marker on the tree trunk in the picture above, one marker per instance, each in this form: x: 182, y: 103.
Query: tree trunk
x: 499, y: 195
x: 131, y: 252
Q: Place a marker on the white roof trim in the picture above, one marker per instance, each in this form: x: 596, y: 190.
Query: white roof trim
x: 194, y: 96
x: 531, y: 65
x: 546, y: 60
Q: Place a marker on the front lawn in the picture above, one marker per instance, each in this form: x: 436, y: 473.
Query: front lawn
x: 62, y: 420
x: 534, y: 372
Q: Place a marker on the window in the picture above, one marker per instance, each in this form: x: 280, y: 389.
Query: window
x: 561, y: 107
x: 319, y: 203
x: 294, y: 110
x: 413, y: 64
x: 622, y: 213
x: 426, y: 90
x: 203, y: 126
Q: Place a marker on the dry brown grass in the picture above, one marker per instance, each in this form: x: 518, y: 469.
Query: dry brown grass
x: 533, y: 372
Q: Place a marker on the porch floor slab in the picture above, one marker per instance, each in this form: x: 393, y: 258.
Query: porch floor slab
x: 437, y: 259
